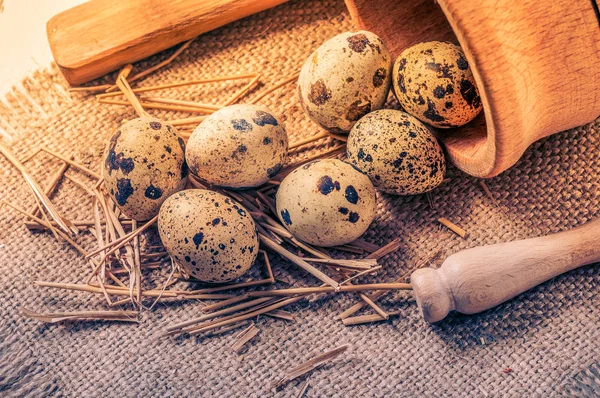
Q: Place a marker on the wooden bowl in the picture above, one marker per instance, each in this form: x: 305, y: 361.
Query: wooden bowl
x: 536, y: 63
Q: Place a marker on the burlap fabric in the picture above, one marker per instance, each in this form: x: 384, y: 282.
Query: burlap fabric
x: 543, y: 343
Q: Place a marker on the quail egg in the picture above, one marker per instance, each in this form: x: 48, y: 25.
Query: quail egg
x: 433, y: 82
x: 326, y: 202
x: 345, y: 78
x: 144, y: 163
x: 239, y: 146
x: 398, y: 153
x: 210, y: 236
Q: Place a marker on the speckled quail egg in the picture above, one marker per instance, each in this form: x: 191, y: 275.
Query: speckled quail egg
x: 344, y: 79
x: 210, y: 236
x: 326, y: 202
x: 398, y: 153
x: 239, y: 146
x: 433, y: 82
x: 144, y: 163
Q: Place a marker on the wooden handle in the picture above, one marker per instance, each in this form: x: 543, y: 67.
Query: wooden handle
x: 478, y: 279
x: 100, y: 36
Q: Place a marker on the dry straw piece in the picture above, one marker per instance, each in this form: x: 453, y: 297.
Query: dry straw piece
x: 282, y: 315
x: 242, y: 338
x: 51, y: 186
x: 330, y: 289
x: 148, y: 104
x: 181, y: 84
x: 489, y: 194
x: 453, y: 227
x: 71, y: 162
x: 45, y: 224
x: 253, y: 305
x: 308, y: 140
x: 122, y: 316
x: 360, y: 320
x: 120, y: 291
x: 39, y: 194
x: 277, y: 86
x: 385, y: 250
x: 226, y: 329
x: 303, y: 389
x: 269, y: 243
x: 308, y: 366
x: 249, y: 315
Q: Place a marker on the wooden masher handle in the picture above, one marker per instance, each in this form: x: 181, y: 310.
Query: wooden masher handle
x: 480, y: 278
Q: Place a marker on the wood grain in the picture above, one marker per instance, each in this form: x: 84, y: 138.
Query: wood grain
x: 535, y: 64
x: 480, y: 278
x: 100, y: 36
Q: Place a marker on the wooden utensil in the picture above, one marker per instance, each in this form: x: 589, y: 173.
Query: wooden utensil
x: 100, y: 36
x: 535, y: 63
x: 478, y: 279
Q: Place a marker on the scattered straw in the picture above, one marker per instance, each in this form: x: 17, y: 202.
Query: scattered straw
x: 362, y: 273
x: 269, y: 243
x: 308, y: 366
x: 303, y: 389
x: 359, y: 320
x: 187, y: 120
x: 158, y: 105
x: 63, y: 223
x: 308, y: 140
x: 71, y: 162
x: 276, y: 305
x: 453, y: 227
x: 330, y: 289
x: 385, y: 250
x: 125, y: 88
x: 226, y: 329
x: 489, y: 194
x: 282, y: 315
x: 122, y: 316
x: 242, y: 338
x: 253, y: 305
x: 180, y: 84
x: 242, y: 91
x: 290, y: 79
x: 119, y: 243
x: 364, y: 245
x: 119, y: 291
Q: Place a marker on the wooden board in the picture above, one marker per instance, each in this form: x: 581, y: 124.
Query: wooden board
x: 100, y: 36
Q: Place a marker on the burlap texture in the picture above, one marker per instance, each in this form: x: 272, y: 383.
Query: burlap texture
x: 546, y: 337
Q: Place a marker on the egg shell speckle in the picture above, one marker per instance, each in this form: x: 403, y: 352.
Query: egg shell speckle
x: 345, y: 78
x: 398, y: 152
x: 434, y: 83
x: 326, y: 202
x: 239, y: 146
x: 144, y: 163
x: 212, y: 237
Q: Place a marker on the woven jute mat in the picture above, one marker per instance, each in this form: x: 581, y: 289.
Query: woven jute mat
x: 543, y: 343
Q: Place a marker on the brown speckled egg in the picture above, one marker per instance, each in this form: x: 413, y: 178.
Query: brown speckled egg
x: 326, y: 202
x: 397, y: 152
x: 433, y: 82
x: 239, y: 146
x: 344, y: 79
x: 210, y: 236
x: 144, y: 163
